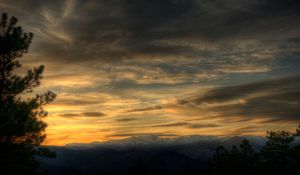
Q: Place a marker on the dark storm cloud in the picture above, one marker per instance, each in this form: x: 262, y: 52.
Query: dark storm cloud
x: 117, y: 29
x: 275, y: 100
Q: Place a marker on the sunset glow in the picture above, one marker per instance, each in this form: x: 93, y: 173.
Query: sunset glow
x: 190, y: 68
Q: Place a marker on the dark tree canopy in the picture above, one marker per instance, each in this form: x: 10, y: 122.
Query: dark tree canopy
x: 239, y: 159
x: 21, y: 127
x: 279, y: 156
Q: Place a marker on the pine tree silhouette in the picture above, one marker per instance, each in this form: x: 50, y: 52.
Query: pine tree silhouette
x: 21, y: 125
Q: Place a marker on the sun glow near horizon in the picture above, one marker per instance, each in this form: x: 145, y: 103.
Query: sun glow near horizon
x: 170, y: 68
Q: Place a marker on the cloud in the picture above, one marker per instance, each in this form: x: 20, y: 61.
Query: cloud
x: 275, y: 99
x: 134, y: 58
x: 188, y: 125
x: 83, y: 114
x: 242, y: 130
x: 200, y: 125
x: 182, y: 42
x: 145, y: 109
x: 279, y: 106
x: 93, y: 114
x: 130, y: 29
x: 173, y: 124
x: 142, y: 134
x: 246, y: 90
x: 128, y: 119
x: 76, y: 102
x: 69, y: 115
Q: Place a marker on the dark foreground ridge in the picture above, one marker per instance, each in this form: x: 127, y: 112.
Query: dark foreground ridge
x: 141, y: 155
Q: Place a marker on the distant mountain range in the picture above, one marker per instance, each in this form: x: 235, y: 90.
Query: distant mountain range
x: 150, y: 154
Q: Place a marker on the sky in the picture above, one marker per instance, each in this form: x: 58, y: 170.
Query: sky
x: 125, y: 68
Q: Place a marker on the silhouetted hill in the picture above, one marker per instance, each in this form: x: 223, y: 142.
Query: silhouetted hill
x: 158, y: 155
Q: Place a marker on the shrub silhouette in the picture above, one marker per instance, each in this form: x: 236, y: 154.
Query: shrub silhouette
x: 21, y: 113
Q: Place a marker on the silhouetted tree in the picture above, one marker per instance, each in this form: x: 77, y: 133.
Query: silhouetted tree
x: 238, y: 160
x: 279, y: 156
x: 21, y: 112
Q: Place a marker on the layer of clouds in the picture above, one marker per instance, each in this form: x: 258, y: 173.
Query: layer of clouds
x: 116, y: 46
x: 148, y: 63
x: 84, y: 114
x: 274, y: 100
x: 188, y: 125
x: 145, y: 109
x: 142, y: 134
x: 237, y: 31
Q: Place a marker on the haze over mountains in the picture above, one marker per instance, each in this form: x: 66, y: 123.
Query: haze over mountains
x: 173, y: 156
